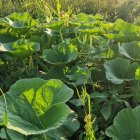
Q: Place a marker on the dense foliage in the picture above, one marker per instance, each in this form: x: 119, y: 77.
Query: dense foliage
x: 69, y: 78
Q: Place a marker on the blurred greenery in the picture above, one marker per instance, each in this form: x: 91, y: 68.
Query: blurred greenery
x: 128, y: 10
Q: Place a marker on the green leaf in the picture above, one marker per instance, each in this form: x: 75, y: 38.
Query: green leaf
x: 137, y: 74
x: 51, y: 32
x: 20, y: 48
x: 122, y: 37
x: 66, y: 130
x: 20, y: 21
x: 1, y: 62
x: 61, y: 54
x: 131, y: 70
x: 55, y: 24
x: 126, y: 125
x: 57, y: 72
x: 90, y: 30
x: 76, y: 102
x: 131, y: 50
x: 32, y: 103
x: 123, y: 32
x: 83, y: 18
x: 11, y: 135
x: 97, y: 74
x: 106, y: 111
x: 136, y: 91
x: 96, y: 95
x: 115, y: 70
x: 80, y: 76
x: 123, y: 26
x: 119, y: 70
x: 6, y: 38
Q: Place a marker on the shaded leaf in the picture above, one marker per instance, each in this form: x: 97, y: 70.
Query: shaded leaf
x: 117, y: 70
x: 66, y: 130
x: 11, y: 135
x: 106, y: 111
x: 126, y: 125
x: 131, y: 50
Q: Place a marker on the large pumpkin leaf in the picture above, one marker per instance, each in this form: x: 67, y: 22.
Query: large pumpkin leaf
x: 131, y: 50
x: 131, y: 70
x: 119, y: 70
x: 83, y: 18
x: 123, y: 32
x: 122, y: 37
x: 20, y: 48
x: 88, y: 29
x: 123, y: 26
x: 18, y: 21
x: 6, y: 38
x: 80, y: 76
x: 126, y: 125
x: 11, y: 135
x: 54, y: 24
x: 66, y: 130
x: 57, y: 72
x: 61, y: 54
x: 32, y: 103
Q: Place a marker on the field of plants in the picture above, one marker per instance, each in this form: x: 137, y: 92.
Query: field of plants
x: 69, y: 77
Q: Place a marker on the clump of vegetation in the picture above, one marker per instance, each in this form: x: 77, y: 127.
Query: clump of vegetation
x: 69, y: 76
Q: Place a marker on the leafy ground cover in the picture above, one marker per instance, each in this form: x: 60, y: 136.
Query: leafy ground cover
x: 69, y: 78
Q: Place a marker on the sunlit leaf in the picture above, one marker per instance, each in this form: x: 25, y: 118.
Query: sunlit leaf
x: 61, y: 54
x: 18, y: 21
x: 137, y: 74
x: 32, y: 103
x: 54, y: 24
x: 20, y: 48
